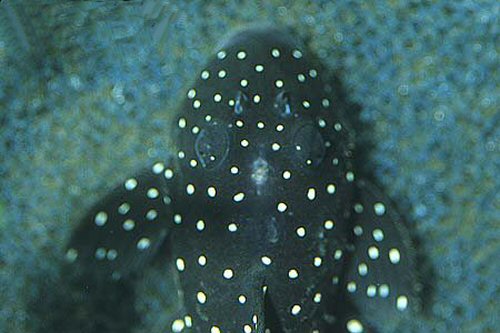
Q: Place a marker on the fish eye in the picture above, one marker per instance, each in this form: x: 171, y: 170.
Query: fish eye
x: 308, y: 145
x: 241, y: 103
x: 282, y: 104
x: 212, y: 146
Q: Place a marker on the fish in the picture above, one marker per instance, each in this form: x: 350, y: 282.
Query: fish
x: 268, y: 223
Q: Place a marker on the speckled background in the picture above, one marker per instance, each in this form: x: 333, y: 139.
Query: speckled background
x: 86, y: 90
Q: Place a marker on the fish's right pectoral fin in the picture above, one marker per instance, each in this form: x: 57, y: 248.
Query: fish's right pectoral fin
x: 122, y: 232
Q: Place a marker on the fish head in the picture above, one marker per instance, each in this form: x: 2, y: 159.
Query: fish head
x: 259, y: 115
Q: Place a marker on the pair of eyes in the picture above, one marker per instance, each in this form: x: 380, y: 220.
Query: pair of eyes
x: 213, y: 145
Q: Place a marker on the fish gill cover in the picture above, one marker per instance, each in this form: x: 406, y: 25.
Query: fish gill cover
x: 80, y: 114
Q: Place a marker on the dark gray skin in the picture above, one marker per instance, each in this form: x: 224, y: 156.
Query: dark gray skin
x: 268, y: 223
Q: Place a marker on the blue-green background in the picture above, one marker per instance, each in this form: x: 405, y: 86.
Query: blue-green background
x: 86, y: 90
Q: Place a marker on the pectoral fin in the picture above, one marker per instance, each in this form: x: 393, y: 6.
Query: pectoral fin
x: 121, y: 232
x: 381, y: 280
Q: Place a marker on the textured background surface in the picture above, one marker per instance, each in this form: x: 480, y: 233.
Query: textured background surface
x: 86, y: 91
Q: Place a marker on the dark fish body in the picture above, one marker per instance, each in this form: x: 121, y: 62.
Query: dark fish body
x: 268, y: 225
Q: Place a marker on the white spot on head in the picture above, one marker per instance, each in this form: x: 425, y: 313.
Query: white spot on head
x: 317, y: 298
x: 337, y: 255
x: 329, y: 224
x: 242, y: 299
x: 201, y: 297
x: 280, y: 128
x: 379, y: 208
x: 311, y: 193
x: 297, y: 54
x: 301, y: 77
x: 181, y: 265
x: 266, y: 260
x: 295, y: 310
x: 190, y: 189
x: 151, y: 214
x: 196, y: 104
x: 238, y: 197
x: 153, y: 193
x: 228, y: 274
x: 232, y: 227
x: 351, y: 287
x: 394, y: 256
x: 212, y: 192
x: 383, y: 290
x: 130, y: 184
x: 354, y: 326
x: 306, y: 104
x: 217, y: 98
x: 371, y: 290
x: 373, y: 252
x: 275, y: 53
x: 71, y: 255
x: 358, y: 230
x: 244, y: 143
x: 378, y: 235
x: 215, y: 329
x: 193, y: 163
x: 301, y: 232
x: 182, y: 123
x: 282, y: 207
x: 275, y: 146
x: 200, y: 225
x: 177, y: 219
x: 402, y: 303
x: 178, y: 326
x: 244, y: 83
x: 325, y: 102
x: 349, y: 176
x: 221, y: 54
x: 222, y: 74
x: 205, y: 75
x: 240, y: 123
x: 158, y: 168
x: 169, y: 173
x: 317, y: 261
x: 202, y: 260
x: 278, y: 83
x: 287, y: 174
x: 234, y: 170
x: 362, y: 269
x: 128, y: 225
x: 191, y: 93
x: 259, y: 68
x: 330, y: 188
x: 100, y: 219
x: 293, y: 274
x: 313, y: 73
x: 256, y: 99
x: 241, y: 55
x: 188, y: 320
x: 143, y: 244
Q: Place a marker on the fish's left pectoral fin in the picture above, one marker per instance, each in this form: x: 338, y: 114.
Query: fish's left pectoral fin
x: 123, y: 231
x: 381, y: 279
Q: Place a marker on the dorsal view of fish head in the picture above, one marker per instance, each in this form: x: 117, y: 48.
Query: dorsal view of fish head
x: 269, y: 226
x: 259, y: 123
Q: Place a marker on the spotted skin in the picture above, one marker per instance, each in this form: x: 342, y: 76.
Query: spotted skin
x: 261, y: 205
